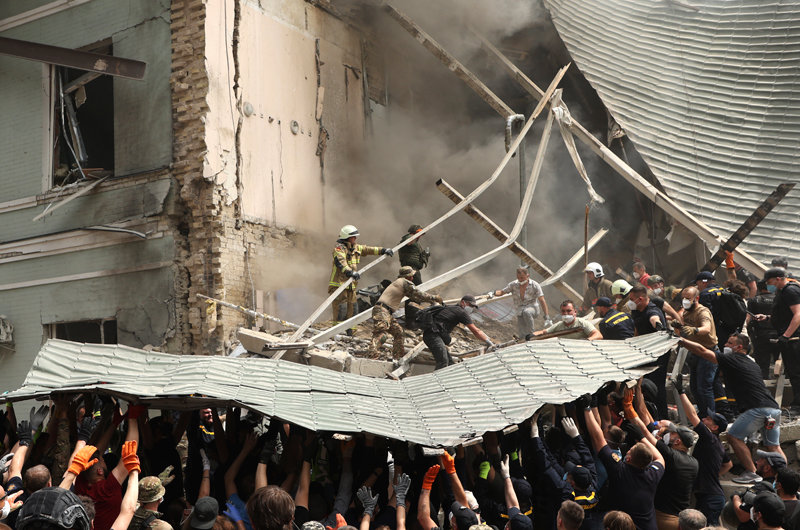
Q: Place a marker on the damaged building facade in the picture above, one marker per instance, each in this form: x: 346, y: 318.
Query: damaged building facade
x: 211, y: 162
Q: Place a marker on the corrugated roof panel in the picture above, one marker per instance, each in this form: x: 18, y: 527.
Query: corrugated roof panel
x: 442, y: 408
x: 709, y: 95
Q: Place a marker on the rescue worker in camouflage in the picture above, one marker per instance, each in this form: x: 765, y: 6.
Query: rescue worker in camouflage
x: 413, y: 255
x: 151, y: 493
x: 346, y: 257
x: 384, y: 323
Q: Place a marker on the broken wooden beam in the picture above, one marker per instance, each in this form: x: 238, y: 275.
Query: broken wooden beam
x: 452, y: 64
x: 499, y: 234
x: 748, y: 225
x: 641, y: 184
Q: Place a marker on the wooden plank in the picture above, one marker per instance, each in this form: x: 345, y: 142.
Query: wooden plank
x: 570, y: 263
x: 451, y: 62
x: 405, y: 361
x: 748, y: 225
x: 499, y: 234
x: 641, y: 184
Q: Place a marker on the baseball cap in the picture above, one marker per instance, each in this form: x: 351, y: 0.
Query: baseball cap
x: 770, y: 506
x: 685, y: 434
x: 704, y: 275
x: 470, y: 300
x: 55, y: 506
x: 774, y: 458
x: 205, y: 513
x: 654, y: 278
x: 780, y: 261
x: 150, y: 489
x: 518, y: 520
x: 603, y: 301
x: 774, y: 272
x: 581, y: 475
x: 464, y: 516
x: 719, y: 420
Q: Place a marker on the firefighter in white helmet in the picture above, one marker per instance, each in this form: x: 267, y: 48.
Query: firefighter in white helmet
x: 346, y: 256
x: 597, y: 285
x: 620, y: 290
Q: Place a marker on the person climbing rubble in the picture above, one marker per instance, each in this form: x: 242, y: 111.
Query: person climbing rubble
x: 413, y: 255
x: 438, y: 322
x: 529, y: 301
x: 388, y: 303
x: 346, y: 257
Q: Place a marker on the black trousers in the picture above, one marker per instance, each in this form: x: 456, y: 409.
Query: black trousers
x: 437, y: 344
x: 791, y: 360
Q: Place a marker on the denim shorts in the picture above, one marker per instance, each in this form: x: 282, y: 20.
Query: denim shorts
x: 752, y: 420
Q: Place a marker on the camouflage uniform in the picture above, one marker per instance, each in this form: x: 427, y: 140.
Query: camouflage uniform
x: 382, y: 315
x: 346, y: 258
x: 141, y: 515
x: 151, y: 489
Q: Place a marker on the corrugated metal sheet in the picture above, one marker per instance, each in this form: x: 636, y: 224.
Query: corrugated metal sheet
x: 710, y: 97
x: 444, y: 408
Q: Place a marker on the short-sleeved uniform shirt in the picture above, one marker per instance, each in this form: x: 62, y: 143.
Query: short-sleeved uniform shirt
x: 632, y: 490
x: 710, y: 456
x: 641, y: 319
x: 617, y: 325
x: 674, y: 491
x: 742, y: 373
x: 583, y: 328
x: 781, y: 311
x: 107, y: 497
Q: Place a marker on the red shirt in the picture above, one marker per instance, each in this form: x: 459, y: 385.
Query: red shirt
x: 107, y: 497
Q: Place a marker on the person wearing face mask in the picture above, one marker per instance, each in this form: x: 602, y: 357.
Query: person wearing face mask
x: 640, y: 272
x: 698, y: 325
x: 757, y: 408
x: 436, y: 330
x: 597, y: 285
x: 648, y: 318
x: 785, y: 317
x: 571, y: 321
x: 786, y: 485
x: 767, y: 511
x: 655, y: 290
x: 620, y: 290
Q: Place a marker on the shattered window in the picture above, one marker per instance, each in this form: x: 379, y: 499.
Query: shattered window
x: 92, y: 331
x: 83, y: 123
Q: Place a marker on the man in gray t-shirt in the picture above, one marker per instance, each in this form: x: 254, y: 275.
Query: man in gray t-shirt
x: 528, y: 300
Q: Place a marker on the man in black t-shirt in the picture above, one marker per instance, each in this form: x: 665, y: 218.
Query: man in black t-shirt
x: 786, y: 321
x: 757, y: 409
x: 710, y: 455
x: 436, y: 331
x: 648, y: 318
x: 762, y: 332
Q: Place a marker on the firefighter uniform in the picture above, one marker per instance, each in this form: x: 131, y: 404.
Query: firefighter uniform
x: 346, y: 258
x: 616, y: 325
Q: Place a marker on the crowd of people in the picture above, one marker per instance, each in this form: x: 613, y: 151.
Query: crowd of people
x: 612, y: 460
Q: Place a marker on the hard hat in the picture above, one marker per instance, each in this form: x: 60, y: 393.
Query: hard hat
x: 620, y: 287
x: 595, y: 268
x: 348, y: 231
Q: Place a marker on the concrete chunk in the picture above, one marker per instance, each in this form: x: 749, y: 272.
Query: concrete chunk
x: 338, y: 361
x: 371, y: 367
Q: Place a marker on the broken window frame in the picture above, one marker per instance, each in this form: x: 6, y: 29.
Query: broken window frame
x: 66, y: 131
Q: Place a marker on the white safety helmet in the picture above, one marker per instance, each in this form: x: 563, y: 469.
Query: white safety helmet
x: 348, y: 231
x: 595, y: 268
x: 620, y: 287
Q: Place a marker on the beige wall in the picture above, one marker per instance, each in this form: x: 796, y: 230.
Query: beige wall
x: 282, y: 181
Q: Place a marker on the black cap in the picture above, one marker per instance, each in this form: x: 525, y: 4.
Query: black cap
x: 704, y: 276
x: 773, y: 458
x: 719, y: 420
x: 413, y: 229
x: 771, y: 508
x: 603, y: 301
x: 470, y: 300
x: 686, y: 435
x: 780, y: 261
x: 55, y: 506
x: 581, y: 475
x: 205, y: 513
x: 774, y: 272
x: 463, y: 515
x: 518, y: 520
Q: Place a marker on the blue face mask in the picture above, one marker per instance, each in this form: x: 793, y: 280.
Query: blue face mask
x: 772, y: 288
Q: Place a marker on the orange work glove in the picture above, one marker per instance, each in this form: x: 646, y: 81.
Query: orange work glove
x: 80, y: 462
x: 729, y: 260
x: 627, y: 404
x: 430, y: 477
x: 340, y: 522
x: 448, y: 462
x: 129, y: 456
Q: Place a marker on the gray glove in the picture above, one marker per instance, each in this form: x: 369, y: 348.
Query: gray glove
x: 401, y: 489
x: 387, y: 252
x: 369, y: 502
x: 38, y: 416
x: 353, y: 274
x: 5, y: 463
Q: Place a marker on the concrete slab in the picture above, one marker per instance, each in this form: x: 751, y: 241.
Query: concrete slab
x: 338, y: 361
x: 371, y: 367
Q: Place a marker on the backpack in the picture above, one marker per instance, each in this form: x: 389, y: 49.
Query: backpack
x: 423, y: 319
x: 730, y: 310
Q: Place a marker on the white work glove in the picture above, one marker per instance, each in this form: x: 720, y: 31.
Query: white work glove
x: 490, y: 294
x: 505, y: 470
x: 547, y: 322
x: 569, y: 427
x: 535, y: 426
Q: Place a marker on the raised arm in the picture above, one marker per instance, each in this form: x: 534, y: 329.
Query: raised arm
x: 369, y: 502
x: 633, y: 417
x: 657, y: 457
x: 449, y: 464
x: 508, y: 487
x: 230, y: 475
x: 424, y: 504
x: 699, y: 350
x: 129, y: 502
x: 592, y: 427
x: 688, y: 408
x: 401, y: 492
x: 122, y: 469
x: 220, y: 439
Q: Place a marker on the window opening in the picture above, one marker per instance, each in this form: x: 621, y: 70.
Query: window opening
x: 83, y: 125
x: 92, y: 331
